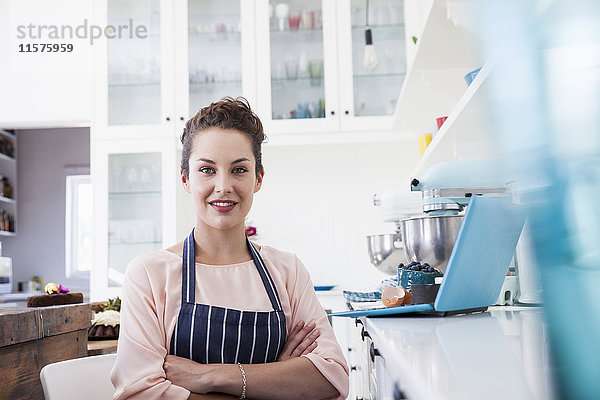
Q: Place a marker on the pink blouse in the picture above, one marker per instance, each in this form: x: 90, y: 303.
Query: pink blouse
x: 151, y: 301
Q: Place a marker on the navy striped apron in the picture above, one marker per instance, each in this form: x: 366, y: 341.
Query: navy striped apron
x: 210, y: 334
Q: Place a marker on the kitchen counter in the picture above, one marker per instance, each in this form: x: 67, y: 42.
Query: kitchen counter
x: 498, y: 354
x: 31, y: 338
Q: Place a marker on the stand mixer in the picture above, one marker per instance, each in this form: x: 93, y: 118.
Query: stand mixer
x: 446, y: 189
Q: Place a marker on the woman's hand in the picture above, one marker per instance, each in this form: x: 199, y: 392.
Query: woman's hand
x: 301, y: 341
x: 187, y: 374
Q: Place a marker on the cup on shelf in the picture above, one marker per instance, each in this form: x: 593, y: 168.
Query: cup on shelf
x: 301, y: 110
x: 471, y: 76
x: 424, y: 141
x: 294, y: 21
x: 281, y: 12
x: 308, y: 19
x: 314, y: 109
x: 440, y: 121
x: 291, y: 67
x: 279, y: 71
x: 315, y: 71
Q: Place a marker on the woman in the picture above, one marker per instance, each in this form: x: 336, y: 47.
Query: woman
x: 217, y: 316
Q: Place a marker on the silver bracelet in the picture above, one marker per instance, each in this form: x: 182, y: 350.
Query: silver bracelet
x: 243, y: 395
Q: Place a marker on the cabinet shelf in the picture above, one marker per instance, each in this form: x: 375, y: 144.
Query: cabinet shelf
x: 7, y: 134
x: 305, y: 83
x: 133, y: 193
x: 8, y: 233
x: 435, y: 79
x: 467, y: 133
x: 385, y: 75
x: 377, y: 27
x: 135, y: 243
x: 6, y: 157
x: 134, y: 84
x: 7, y: 200
x: 201, y: 86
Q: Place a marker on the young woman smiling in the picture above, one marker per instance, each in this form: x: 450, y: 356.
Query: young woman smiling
x: 217, y: 316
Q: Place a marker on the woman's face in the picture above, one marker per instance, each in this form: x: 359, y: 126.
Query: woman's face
x: 222, y: 178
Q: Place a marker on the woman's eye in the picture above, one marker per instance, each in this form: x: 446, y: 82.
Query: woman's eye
x: 239, y: 170
x: 206, y: 170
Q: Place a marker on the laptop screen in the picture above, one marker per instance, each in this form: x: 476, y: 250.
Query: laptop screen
x: 481, y: 255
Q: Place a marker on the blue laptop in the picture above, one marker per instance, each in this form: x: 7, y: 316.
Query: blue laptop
x: 478, y: 264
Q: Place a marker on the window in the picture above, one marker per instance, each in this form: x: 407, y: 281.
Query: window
x: 78, y: 212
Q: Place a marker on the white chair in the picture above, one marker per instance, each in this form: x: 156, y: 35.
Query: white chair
x: 81, y: 378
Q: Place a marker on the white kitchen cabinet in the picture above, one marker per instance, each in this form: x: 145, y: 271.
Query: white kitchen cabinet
x: 190, y: 53
x: 45, y: 89
x: 446, y: 50
x: 312, y: 72
x: 134, y: 185
x: 145, y: 91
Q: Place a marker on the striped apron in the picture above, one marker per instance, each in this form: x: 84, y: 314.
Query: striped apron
x: 210, y: 334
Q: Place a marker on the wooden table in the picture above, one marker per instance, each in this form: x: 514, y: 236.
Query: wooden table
x: 31, y: 338
x: 97, y: 347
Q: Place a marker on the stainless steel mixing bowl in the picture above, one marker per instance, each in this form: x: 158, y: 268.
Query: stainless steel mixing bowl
x: 430, y: 239
x: 386, y: 252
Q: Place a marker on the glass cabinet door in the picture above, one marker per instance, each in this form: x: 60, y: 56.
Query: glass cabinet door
x: 297, y: 59
x: 134, y: 210
x: 134, y: 62
x: 378, y: 80
x: 214, y: 51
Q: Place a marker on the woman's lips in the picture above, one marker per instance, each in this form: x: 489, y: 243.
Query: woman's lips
x: 223, y: 207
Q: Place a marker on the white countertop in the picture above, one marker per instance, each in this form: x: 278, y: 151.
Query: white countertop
x: 500, y: 354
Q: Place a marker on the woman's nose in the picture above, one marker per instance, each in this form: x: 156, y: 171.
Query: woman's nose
x: 223, y: 183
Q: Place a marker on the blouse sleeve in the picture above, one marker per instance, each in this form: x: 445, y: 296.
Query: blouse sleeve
x: 138, y: 371
x: 327, y: 356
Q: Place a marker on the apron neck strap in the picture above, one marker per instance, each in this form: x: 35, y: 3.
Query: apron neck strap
x: 188, y: 271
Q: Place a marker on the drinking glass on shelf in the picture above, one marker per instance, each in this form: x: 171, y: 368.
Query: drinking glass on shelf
x: 281, y: 11
x: 294, y: 21
x: 279, y: 70
x: 314, y: 109
x: 291, y: 67
x: 315, y: 71
x: 308, y: 19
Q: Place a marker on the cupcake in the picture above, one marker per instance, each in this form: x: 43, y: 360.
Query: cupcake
x: 107, y: 320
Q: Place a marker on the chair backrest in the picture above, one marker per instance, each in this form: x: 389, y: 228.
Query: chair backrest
x: 80, y: 378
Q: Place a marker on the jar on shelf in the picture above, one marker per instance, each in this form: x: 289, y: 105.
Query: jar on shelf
x: 7, y: 188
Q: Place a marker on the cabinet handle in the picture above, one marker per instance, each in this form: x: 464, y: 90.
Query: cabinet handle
x: 353, y: 368
x: 168, y: 118
x: 398, y: 393
x: 346, y: 112
x: 364, y: 334
x: 332, y: 112
x: 374, y: 352
x: 181, y: 118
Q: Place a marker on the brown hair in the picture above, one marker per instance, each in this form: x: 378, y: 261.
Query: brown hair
x: 227, y: 113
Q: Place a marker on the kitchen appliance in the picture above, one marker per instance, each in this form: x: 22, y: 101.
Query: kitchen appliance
x: 430, y: 239
x: 386, y: 252
x: 530, y: 289
x: 447, y: 187
x: 5, y: 275
x: 478, y: 263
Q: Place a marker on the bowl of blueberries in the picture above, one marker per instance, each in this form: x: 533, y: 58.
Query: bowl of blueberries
x: 416, y: 273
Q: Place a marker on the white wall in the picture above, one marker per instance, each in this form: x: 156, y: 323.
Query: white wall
x: 317, y: 201
x: 39, y: 248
